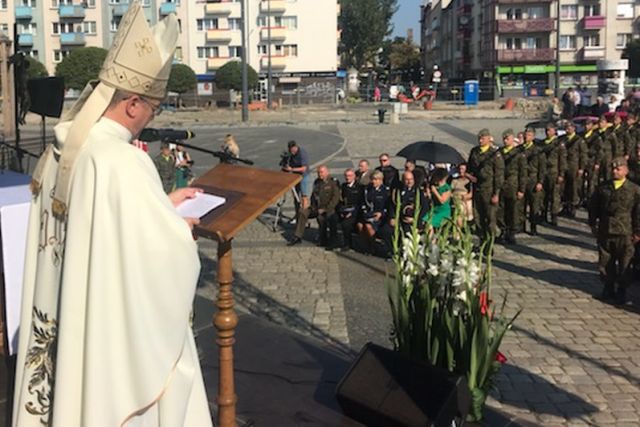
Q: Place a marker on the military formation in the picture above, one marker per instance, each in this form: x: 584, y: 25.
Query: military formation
x: 536, y: 181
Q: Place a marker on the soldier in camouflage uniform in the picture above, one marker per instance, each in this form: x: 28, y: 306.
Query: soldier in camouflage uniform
x: 512, y: 194
x: 634, y: 152
x: 609, y: 147
x: 486, y: 172
x: 614, y: 217
x: 592, y: 139
x: 623, y: 147
x: 576, y: 164
x: 555, y: 165
x: 166, y: 165
x: 536, y: 171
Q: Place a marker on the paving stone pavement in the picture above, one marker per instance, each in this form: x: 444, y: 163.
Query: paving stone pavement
x: 572, y: 360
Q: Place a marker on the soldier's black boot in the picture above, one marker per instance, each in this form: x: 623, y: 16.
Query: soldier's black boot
x: 534, y: 229
x: 554, y: 220
x: 621, y: 297
x: 510, y: 238
x: 607, y: 293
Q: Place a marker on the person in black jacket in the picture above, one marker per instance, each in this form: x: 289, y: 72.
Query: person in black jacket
x: 349, y: 207
x: 374, y: 210
x: 389, y: 172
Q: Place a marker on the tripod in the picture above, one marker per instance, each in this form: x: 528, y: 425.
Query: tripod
x: 280, y: 204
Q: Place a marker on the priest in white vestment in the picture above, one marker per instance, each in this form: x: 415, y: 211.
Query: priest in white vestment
x: 111, y: 269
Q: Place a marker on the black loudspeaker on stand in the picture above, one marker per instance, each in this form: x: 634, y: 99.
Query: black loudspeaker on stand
x: 46, y: 97
x: 385, y: 388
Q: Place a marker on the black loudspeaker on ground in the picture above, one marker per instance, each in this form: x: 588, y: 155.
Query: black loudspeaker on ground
x: 385, y: 388
x: 47, y: 96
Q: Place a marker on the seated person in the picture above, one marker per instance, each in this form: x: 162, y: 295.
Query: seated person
x: 349, y: 207
x: 374, y: 210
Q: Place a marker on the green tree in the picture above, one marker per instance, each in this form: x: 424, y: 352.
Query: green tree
x: 404, y: 60
x: 632, y: 53
x: 36, y: 68
x: 229, y: 76
x: 364, y: 24
x: 81, y: 66
x: 181, y: 79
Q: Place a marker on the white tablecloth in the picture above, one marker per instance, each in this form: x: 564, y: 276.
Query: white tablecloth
x: 15, y: 198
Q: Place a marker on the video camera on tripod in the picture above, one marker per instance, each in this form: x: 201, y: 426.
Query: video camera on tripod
x: 285, y: 159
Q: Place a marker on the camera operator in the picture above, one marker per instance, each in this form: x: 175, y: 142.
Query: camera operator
x: 324, y: 199
x: 297, y: 161
x: 348, y: 209
x: 374, y: 210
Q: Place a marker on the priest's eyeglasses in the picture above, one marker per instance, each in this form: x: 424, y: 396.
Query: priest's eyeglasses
x: 155, y: 109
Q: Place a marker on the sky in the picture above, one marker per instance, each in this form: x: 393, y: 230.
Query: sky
x: 407, y: 16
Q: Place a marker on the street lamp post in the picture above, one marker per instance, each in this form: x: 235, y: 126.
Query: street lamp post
x: 245, y: 79
x: 269, y: 54
x: 557, y: 85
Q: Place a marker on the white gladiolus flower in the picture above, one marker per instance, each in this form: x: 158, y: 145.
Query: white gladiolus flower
x: 433, y: 270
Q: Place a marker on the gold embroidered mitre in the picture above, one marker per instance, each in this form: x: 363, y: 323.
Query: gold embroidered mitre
x: 139, y: 62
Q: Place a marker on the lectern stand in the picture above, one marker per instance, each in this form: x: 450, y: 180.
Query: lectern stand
x: 249, y: 192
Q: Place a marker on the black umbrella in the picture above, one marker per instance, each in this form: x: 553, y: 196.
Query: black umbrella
x: 432, y: 152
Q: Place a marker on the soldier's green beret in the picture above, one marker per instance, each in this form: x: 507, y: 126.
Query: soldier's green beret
x: 530, y: 129
x: 551, y: 125
x: 619, y: 162
x: 484, y: 132
x: 507, y: 132
x: 570, y: 124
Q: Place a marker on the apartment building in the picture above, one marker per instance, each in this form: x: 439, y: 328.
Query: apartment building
x: 512, y: 43
x: 302, y: 34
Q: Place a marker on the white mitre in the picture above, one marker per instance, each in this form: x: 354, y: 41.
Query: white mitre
x: 138, y: 62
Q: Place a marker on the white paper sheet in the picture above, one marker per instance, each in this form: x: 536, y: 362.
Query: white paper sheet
x: 200, y: 205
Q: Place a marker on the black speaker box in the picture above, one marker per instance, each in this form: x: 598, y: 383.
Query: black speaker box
x: 385, y: 388
x: 47, y: 96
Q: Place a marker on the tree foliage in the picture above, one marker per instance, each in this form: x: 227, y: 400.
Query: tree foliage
x: 182, y: 79
x: 364, y: 24
x: 36, y: 68
x: 404, y: 60
x: 632, y: 53
x: 229, y: 76
x: 81, y: 66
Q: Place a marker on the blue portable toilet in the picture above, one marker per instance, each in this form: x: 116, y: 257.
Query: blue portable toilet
x: 471, y: 92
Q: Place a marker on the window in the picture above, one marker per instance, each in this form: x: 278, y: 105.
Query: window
x: 261, y: 21
x: 33, y: 53
x: 569, y: 11
x: 28, y: 28
x: 622, y: 40
x: 29, y: 3
x: 89, y: 27
x: 89, y: 3
x: 205, y: 52
x: 592, y: 40
x: 235, y: 51
x: 3, y: 5
x: 63, y: 27
x: 290, y: 50
x: 592, y: 9
x: 514, y: 43
x: 567, y: 42
x: 262, y: 49
x: 235, y: 23
x: 180, y: 26
x: 177, y: 56
x: 207, y: 24
x: 535, y: 12
x: 59, y: 55
x: 533, y: 42
x: 514, y: 13
x: 56, y: 3
x: 113, y: 25
x: 625, y: 10
x: 289, y: 22
x: 4, y: 27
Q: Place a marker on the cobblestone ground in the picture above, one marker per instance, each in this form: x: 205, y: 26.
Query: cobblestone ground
x: 572, y: 360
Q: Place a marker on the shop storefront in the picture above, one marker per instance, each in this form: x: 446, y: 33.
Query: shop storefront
x: 538, y: 79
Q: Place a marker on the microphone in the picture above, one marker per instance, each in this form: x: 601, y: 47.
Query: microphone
x: 151, y: 134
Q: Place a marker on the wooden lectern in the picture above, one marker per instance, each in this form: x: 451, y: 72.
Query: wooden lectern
x: 248, y: 192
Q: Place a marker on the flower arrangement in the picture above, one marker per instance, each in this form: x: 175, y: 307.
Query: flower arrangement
x: 441, y: 304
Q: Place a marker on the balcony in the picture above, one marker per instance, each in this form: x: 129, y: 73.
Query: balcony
x: 72, y: 39
x: 277, y: 6
x: 276, y: 62
x: 219, y: 35
x: 218, y: 8
x: 25, y: 40
x: 525, y: 55
x: 215, y: 63
x: 120, y: 9
x: 592, y: 53
x: 167, y: 8
x: 538, y: 25
x: 23, y: 12
x: 71, y: 11
x: 277, y: 33
x: 594, y: 22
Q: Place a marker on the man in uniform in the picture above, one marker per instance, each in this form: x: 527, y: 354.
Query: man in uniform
x: 486, y: 172
x: 576, y: 164
x: 623, y: 148
x: 555, y: 166
x: 594, y: 157
x: 536, y: 171
x: 166, y: 165
x: 409, y: 196
x: 349, y: 207
x: 634, y: 152
x: 513, y: 189
x: 111, y: 268
x: 390, y: 172
x: 614, y: 217
x: 609, y: 147
x: 363, y: 174
x: 324, y: 199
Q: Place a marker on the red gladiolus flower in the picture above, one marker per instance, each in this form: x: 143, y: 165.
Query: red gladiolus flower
x: 501, y: 358
x: 484, y: 303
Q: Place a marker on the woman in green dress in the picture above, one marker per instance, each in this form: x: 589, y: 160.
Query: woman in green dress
x: 440, y: 194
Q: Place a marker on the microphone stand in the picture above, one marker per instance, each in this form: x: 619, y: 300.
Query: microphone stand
x: 225, y: 157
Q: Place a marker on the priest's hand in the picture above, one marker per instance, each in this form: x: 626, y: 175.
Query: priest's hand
x: 181, y: 194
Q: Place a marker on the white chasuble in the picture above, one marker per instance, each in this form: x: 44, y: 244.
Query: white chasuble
x: 105, y: 337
